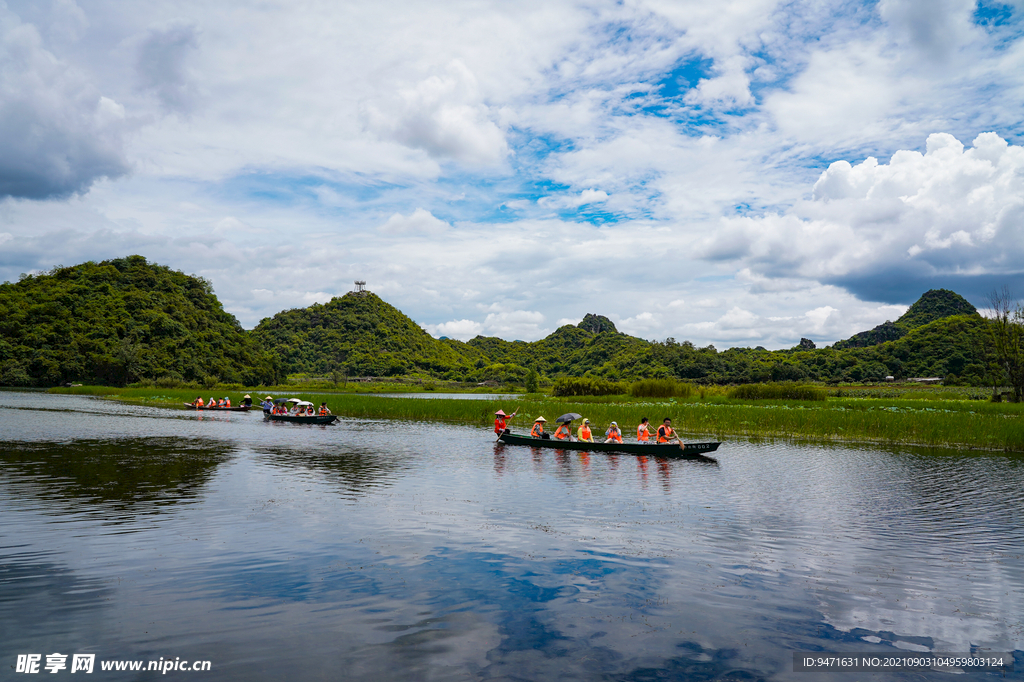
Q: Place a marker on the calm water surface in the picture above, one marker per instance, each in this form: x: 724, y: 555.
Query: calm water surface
x: 378, y: 550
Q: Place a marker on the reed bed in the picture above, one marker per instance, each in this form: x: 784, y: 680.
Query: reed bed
x: 961, y: 423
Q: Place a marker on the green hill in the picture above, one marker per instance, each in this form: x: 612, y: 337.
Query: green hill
x: 933, y: 305
x: 358, y: 334
x: 126, y: 319
x: 119, y: 321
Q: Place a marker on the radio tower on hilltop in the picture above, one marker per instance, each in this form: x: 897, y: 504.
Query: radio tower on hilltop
x: 361, y: 287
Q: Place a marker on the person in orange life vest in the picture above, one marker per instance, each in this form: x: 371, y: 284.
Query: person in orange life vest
x: 309, y: 411
x: 212, y: 403
x: 227, y: 402
x: 613, y: 434
x: 198, y: 402
x: 323, y: 409
x: 665, y: 432
x: 500, y: 420
x: 538, y: 427
x: 584, y: 433
x: 643, y: 433
x: 563, y: 432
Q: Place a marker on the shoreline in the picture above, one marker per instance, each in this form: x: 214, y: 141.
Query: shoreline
x: 911, y: 422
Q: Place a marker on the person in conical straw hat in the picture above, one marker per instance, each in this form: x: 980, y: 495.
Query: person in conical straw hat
x: 500, y: 420
x: 538, y: 428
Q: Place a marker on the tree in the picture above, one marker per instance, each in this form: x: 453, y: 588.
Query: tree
x: 1006, y: 332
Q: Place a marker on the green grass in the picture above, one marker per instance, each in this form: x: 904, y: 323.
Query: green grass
x: 908, y: 421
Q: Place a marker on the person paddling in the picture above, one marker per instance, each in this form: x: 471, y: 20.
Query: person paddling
x: 666, y: 432
x: 501, y: 421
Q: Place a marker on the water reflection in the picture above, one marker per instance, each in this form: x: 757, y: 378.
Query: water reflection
x: 391, y: 550
x: 89, y: 475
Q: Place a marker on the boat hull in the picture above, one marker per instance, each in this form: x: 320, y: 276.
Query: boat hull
x: 692, y: 450
x: 240, y: 408
x: 315, y: 419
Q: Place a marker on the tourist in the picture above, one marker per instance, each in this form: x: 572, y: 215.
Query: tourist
x: 323, y: 409
x: 584, y: 434
x: 563, y: 432
x: 665, y: 432
x: 643, y: 433
x: 538, y: 428
x: 501, y: 422
x: 198, y: 402
x: 613, y: 434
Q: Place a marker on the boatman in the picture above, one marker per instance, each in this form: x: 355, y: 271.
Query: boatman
x: 665, y: 432
x: 584, y: 435
x: 198, y: 402
x: 247, y: 400
x: 500, y: 421
x: 563, y: 432
x: 538, y: 428
x: 613, y: 434
x: 643, y: 433
x: 267, y: 405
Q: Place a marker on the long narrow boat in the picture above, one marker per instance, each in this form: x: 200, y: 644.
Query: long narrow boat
x: 304, y: 419
x: 239, y: 408
x: 691, y: 451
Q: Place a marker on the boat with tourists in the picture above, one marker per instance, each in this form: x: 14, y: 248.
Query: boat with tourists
x: 675, y: 450
x: 216, y: 408
x: 301, y: 412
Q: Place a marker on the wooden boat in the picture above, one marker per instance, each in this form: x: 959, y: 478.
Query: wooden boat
x: 238, y: 408
x: 304, y: 419
x: 692, y: 450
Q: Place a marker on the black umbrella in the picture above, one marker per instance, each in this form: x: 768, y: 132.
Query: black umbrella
x: 280, y: 401
x: 568, y: 417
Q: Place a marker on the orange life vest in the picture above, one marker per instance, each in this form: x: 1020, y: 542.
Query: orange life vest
x: 227, y: 403
x: 562, y: 432
x: 615, y: 435
x: 323, y: 409
x: 642, y: 434
x: 199, y: 402
x: 585, y: 433
x: 537, y: 430
x: 664, y: 433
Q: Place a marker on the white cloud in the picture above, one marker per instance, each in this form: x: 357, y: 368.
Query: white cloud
x: 947, y: 212
x: 419, y: 222
x: 161, y: 65
x: 444, y: 116
x: 58, y: 134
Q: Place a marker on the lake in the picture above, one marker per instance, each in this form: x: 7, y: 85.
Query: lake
x: 383, y: 550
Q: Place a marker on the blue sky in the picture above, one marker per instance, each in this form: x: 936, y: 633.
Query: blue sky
x: 747, y: 172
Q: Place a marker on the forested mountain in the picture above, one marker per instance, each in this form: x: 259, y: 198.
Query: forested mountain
x: 119, y: 321
x: 934, y: 304
x: 126, y: 319
x: 358, y: 334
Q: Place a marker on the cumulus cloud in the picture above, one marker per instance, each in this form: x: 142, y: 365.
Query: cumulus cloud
x: 444, y: 116
x: 587, y: 196
x: 161, y: 65
x: 948, y: 215
x: 58, y: 134
x: 420, y: 222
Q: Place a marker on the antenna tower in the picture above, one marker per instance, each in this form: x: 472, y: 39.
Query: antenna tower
x: 361, y: 287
